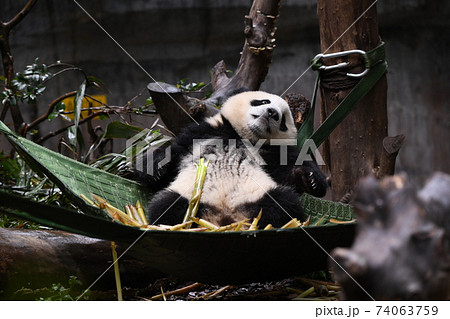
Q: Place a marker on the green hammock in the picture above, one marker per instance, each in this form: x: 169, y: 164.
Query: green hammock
x: 230, y: 257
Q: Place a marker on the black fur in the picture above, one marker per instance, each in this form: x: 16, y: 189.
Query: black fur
x: 279, y: 205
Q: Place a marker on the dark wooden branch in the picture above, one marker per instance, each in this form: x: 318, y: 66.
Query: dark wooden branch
x: 37, y: 258
x: 172, y: 106
x: 219, y: 77
x: 8, y: 64
x: 402, y: 247
x: 259, y: 31
x: 63, y: 129
x: 19, y: 17
x: 50, y: 109
x: 391, y: 147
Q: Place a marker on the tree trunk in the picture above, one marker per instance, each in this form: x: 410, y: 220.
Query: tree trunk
x: 354, y: 148
x: 36, y: 258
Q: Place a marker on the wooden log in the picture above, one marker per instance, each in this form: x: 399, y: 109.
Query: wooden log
x: 171, y: 105
x: 402, y: 247
x: 353, y: 149
x: 39, y: 258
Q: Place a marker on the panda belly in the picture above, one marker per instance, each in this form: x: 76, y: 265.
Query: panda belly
x: 235, y: 188
x: 232, y: 180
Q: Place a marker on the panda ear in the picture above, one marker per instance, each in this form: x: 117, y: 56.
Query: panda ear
x: 259, y: 102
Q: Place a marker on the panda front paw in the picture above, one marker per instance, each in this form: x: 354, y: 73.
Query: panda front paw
x: 310, y: 179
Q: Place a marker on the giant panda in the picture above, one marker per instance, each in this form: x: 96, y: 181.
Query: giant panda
x: 245, y: 175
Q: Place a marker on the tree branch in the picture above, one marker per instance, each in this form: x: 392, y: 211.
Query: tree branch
x: 50, y: 109
x: 19, y: 17
x: 256, y: 55
x: 61, y: 130
x: 8, y: 64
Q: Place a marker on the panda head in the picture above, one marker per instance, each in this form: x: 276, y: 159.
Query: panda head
x: 258, y: 115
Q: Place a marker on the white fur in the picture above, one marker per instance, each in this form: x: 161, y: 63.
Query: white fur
x: 229, y: 181
x: 241, y: 114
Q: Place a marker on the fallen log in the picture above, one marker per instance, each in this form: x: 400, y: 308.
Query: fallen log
x: 39, y: 258
x: 402, y: 247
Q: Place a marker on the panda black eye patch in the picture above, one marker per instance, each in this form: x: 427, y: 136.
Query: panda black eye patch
x: 259, y: 102
x: 283, y: 126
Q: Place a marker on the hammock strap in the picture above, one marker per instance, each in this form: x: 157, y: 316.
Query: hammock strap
x: 375, y: 68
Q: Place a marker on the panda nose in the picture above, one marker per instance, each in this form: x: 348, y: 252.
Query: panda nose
x: 273, y: 114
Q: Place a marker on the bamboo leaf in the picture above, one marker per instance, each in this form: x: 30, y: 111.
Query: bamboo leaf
x: 78, y: 101
x: 121, y: 130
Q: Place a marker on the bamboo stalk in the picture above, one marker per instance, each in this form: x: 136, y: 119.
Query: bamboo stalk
x: 113, y: 210
x: 181, y: 226
x: 128, y: 211
x: 141, y: 213
x: 336, y: 221
x: 215, y: 293
x: 197, y: 191
x: 306, y: 222
x: 234, y: 226
x: 116, y: 271
x: 306, y: 293
x: 291, y: 224
x: 204, y: 223
x: 199, y: 229
x: 320, y: 221
x: 177, y: 291
x: 136, y: 216
x: 163, y: 294
x: 87, y: 200
x: 154, y: 227
x: 254, y: 225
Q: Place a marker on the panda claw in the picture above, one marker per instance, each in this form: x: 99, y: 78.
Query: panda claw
x: 310, y: 173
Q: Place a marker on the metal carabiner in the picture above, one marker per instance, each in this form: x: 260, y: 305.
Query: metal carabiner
x: 343, y: 64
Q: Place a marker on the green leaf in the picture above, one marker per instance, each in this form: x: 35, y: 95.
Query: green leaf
x: 97, y: 83
x: 71, y: 135
x: 78, y: 101
x: 121, y: 130
x: 115, y: 130
x: 148, y: 102
x: 60, y: 107
x: 80, y: 140
x: 52, y: 116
